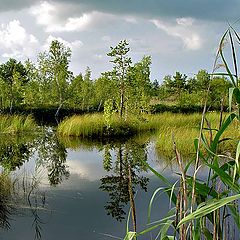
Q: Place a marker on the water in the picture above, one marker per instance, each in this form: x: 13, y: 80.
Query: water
x: 74, y: 189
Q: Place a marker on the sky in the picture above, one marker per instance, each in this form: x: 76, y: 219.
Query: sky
x: 179, y: 35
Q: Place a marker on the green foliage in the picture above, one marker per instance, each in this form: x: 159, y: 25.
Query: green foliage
x: 13, y: 78
x: 108, y: 112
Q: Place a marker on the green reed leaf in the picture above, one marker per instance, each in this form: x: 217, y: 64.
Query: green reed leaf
x: 210, y: 206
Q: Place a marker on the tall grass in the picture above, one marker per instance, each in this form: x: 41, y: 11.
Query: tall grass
x: 94, y: 125
x: 15, y: 124
x: 185, y: 128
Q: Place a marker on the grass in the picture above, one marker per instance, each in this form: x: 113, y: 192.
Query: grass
x: 16, y: 124
x: 94, y: 125
x: 185, y: 129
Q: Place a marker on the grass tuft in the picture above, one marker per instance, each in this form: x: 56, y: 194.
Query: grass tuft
x: 15, y: 124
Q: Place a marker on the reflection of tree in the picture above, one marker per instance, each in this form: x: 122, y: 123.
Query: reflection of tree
x: 14, y: 152
x: 125, y: 177
x: 5, y: 198
x: 52, y: 155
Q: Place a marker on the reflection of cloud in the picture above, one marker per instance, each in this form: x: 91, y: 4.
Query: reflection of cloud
x: 15, y: 40
x: 183, y: 29
x: 86, y: 170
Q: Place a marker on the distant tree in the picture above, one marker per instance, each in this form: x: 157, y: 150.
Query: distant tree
x: 219, y: 88
x: 105, y: 88
x: 59, y: 59
x: 75, y: 90
x: 202, y: 80
x: 179, y: 83
x: 33, y: 91
x: 87, y: 90
x: 155, y: 87
x: 191, y: 85
x: 174, y: 86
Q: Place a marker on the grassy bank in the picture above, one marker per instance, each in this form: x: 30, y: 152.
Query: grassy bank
x: 94, y: 125
x: 16, y: 124
x: 184, y: 127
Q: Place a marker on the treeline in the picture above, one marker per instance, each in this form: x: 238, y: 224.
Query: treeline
x: 179, y: 90
x: 126, y: 88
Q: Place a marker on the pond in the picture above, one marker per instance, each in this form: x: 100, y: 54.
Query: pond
x: 75, y: 189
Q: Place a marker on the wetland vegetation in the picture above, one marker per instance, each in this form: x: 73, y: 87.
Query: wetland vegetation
x: 117, y: 108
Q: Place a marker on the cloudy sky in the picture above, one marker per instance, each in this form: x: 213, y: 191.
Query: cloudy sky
x: 180, y: 35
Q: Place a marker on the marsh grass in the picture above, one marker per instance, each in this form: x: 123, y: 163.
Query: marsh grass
x: 16, y: 124
x: 185, y: 128
x: 94, y: 125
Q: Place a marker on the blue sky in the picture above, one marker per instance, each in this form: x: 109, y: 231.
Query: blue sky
x: 180, y: 35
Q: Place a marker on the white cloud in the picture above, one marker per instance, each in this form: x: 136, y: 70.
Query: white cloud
x: 74, y: 45
x: 183, y: 30
x: 15, y: 41
x: 185, y: 21
x: 53, y: 18
x: 131, y: 20
x: 44, y: 13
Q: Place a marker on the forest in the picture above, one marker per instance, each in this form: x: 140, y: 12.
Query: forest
x: 49, y: 86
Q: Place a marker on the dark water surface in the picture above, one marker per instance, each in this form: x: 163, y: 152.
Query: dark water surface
x: 73, y: 189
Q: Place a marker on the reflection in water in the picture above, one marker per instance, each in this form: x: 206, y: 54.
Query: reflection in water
x: 5, y: 198
x: 124, y: 176
x: 23, y: 195
x: 122, y: 161
x: 20, y: 197
x: 14, y: 152
x: 52, y: 156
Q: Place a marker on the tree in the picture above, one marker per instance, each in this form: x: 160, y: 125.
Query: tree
x: 13, y: 78
x: 155, y: 87
x: 105, y: 89
x: 59, y: 59
x: 203, y: 80
x: 219, y: 88
x: 179, y: 83
x: 54, y: 74
x: 121, y: 68
x: 138, y: 90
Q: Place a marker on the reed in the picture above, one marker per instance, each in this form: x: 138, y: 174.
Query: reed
x: 16, y: 124
x: 203, y: 208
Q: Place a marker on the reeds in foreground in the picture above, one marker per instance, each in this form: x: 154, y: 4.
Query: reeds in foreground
x: 205, y: 208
